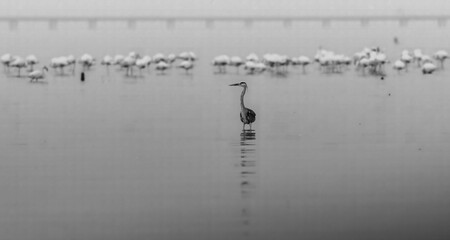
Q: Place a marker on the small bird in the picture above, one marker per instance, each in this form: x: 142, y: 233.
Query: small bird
x: 37, y: 74
x: 248, y: 116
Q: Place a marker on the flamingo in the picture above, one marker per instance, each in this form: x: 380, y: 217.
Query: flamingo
x: 260, y: 67
x: 236, y: 62
x: 428, y: 68
x: 441, y: 55
x: 107, y: 60
x: 399, y: 65
x: 87, y: 61
x: 417, y: 56
x: 221, y: 62
x: 425, y: 58
x: 59, y: 62
x: 6, y: 60
x: 71, y: 61
x: 37, y: 74
x: 187, y: 56
x: 144, y: 62
x: 380, y: 61
x: 140, y: 64
x: 272, y: 60
x: 186, y: 65
x: 406, y: 58
x: 363, y: 63
x: 162, y: 66
x: 118, y: 59
x: 18, y: 63
x: 159, y: 57
x: 254, y: 67
x: 294, y: 61
x: 128, y: 63
x: 171, y: 58
x: 31, y: 60
x: 252, y: 57
x: 303, y: 61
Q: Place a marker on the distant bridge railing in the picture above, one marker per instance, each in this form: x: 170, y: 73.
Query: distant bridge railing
x: 248, y: 21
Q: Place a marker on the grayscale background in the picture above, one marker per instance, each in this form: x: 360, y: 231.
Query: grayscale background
x: 162, y: 156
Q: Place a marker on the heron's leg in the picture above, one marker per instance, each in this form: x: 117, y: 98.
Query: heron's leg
x: 243, y: 127
x: 250, y: 126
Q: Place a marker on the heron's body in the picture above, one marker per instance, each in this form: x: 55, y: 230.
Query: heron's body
x: 247, y: 115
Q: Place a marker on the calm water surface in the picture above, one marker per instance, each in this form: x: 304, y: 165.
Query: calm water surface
x: 164, y: 156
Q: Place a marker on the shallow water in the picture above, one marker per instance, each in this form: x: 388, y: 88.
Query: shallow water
x: 155, y: 156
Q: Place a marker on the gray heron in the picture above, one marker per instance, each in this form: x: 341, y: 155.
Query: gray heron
x: 248, y: 116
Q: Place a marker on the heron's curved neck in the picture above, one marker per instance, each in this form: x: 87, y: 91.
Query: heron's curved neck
x: 242, y: 98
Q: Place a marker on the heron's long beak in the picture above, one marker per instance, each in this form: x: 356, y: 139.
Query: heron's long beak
x: 236, y: 84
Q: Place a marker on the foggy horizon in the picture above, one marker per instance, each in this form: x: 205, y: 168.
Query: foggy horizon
x: 221, y: 8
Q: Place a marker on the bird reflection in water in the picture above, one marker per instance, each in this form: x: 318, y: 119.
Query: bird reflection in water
x: 247, y: 168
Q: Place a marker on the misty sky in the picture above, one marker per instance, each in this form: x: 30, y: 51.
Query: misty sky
x: 220, y: 7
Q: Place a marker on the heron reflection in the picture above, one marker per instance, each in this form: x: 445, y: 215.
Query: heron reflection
x: 247, y: 161
x: 248, y: 177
